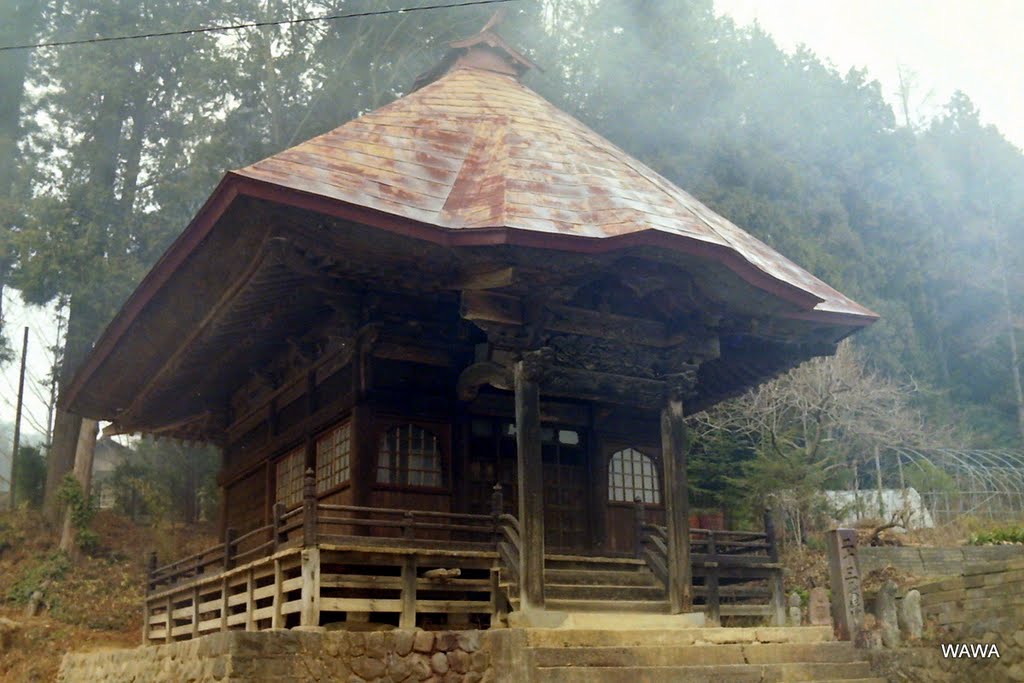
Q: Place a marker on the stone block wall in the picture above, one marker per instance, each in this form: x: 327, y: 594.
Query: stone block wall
x: 984, y: 606
x: 399, y: 656
x: 928, y: 562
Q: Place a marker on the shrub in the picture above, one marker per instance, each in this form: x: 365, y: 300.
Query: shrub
x: 1010, y: 534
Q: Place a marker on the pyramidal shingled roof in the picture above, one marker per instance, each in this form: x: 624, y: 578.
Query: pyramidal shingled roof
x: 476, y: 149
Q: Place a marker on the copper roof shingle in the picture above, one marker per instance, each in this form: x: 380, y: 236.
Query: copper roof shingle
x: 477, y: 149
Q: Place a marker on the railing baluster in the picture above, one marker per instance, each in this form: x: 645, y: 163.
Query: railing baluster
x: 408, y: 530
x: 711, y: 580
x: 229, y: 547
x: 151, y: 571
x: 278, y: 537
x: 195, y: 611
x: 639, y: 519
x: 497, y: 508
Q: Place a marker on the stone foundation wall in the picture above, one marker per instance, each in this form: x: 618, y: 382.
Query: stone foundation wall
x: 927, y: 562
x: 399, y: 656
x: 984, y: 606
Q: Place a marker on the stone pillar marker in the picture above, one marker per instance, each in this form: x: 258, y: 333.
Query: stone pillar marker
x: 795, y: 614
x: 911, y: 621
x: 844, y: 576
x: 819, y: 609
x: 885, y: 612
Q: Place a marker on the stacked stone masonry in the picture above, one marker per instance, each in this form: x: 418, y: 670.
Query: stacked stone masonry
x: 929, y: 562
x: 399, y: 656
x: 984, y: 606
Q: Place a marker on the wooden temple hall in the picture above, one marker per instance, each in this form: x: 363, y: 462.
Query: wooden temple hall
x: 447, y: 350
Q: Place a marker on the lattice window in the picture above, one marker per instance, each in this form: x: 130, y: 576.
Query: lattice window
x: 289, y: 477
x: 409, y: 455
x: 632, y: 475
x: 332, y: 457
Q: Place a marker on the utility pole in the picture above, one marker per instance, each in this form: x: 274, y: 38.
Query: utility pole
x: 17, y: 417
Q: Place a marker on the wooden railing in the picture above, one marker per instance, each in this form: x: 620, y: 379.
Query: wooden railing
x: 312, y: 560
x: 741, y: 566
x: 508, y: 543
x: 313, y: 522
x: 347, y: 559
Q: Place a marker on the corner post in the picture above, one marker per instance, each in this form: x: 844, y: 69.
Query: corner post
x: 309, y: 615
x: 531, y: 483
x: 677, y: 505
x: 778, y: 591
x: 309, y: 508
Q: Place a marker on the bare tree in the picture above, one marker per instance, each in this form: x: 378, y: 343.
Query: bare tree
x: 809, y: 425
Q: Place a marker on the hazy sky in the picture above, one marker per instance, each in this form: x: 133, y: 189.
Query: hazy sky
x: 970, y: 45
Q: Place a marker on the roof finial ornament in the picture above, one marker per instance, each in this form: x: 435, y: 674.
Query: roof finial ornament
x: 485, y: 50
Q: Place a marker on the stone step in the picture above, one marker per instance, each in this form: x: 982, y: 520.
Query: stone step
x: 621, y: 577
x: 666, y: 630
x: 577, y: 562
x: 614, y: 593
x: 848, y: 680
x: 662, y: 655
x: 556, y: 604
x: 727, y: 673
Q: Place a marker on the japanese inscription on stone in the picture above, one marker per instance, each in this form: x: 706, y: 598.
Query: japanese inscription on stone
x: 844, y: 575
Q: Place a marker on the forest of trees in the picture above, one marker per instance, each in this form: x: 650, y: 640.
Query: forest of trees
x: 107, y: 150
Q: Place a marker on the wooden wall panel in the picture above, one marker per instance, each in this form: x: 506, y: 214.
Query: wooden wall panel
x: 245, y: 502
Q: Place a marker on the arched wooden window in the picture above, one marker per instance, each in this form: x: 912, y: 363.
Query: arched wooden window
x: 333, y: 448
x: 409, y: 455
x: 632, y: 475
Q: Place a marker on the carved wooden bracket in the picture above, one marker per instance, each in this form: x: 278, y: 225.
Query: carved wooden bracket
x: 537, y: 363
x: 681, y: 385
x: 478, y: 374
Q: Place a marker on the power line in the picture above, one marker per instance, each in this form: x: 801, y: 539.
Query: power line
x: 255, y: 24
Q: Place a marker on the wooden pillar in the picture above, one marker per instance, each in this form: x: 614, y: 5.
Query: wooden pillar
x: 147, y: 612
x: 224, y: 608
x: 309, y: 615
x: 407, y: 619
x: 169, y: 606
x: 250, y: 600
x: 677, y: 506
x: 531, y: 486
x: 364, y: 456
x: 778, y: 599
x: 195, y: 611
x: 714, y: 602
x: 276, y: 615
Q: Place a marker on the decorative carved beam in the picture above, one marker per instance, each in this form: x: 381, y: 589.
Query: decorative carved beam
x: 489, y: 307
x: 603, y: 387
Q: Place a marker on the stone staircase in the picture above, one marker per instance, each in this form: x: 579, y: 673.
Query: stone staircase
x: 597, y: 584
x: 694, y: 655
